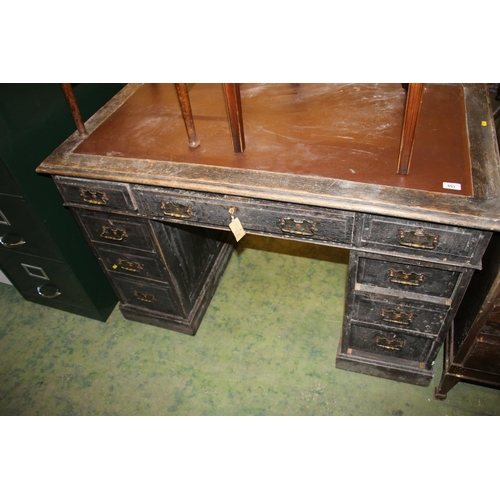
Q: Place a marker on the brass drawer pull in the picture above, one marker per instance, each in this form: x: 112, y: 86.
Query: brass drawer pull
x: 93, y: 197
x: 418, y: 239
x: 114, y: 234
x: 144, y: 296
x: 176, y: 210
x: 128, y: 265
x: 11, y: 240
x: 402, y: 278
x: 302, y: 228
x: 396, y: 316
x: 389, y: 344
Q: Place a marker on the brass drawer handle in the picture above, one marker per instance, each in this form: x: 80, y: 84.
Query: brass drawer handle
x: 93, y: 197
x: 389, y: 344
x: 176, y: 210
x: 128, y: 265
x: 11, y: 240
x: 402, y: 278
x: 300, y: 227
x: 144, y: 296
x: 114, y: 234
x: 418, y: 239
x: 396, y: 316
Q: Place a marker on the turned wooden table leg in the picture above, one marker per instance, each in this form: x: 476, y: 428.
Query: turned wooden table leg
x: 187, y: 114
x: 233, y: 101
x: 412, y: 110
x: 69, y: 94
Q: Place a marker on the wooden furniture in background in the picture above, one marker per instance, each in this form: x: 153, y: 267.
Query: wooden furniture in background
x: 472, y: 350
x: 414, y: 97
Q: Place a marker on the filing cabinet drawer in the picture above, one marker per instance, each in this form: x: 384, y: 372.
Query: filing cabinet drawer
x: 160, y: 298
x: 265, y: 217
x: 377, y: 342
x: 117, y: 230
x: 132, y: 264
x: 414, y: 316
x: 426, y: 240
x: 45, y: 281
x: 21, y: 230
x: 404, y: 277
x: 96, y: 195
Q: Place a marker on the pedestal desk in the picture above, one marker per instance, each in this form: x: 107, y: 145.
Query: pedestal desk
x: 319, y: 166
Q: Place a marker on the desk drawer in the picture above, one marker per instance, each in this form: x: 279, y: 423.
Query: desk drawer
x: 117, y: 230
x: 407, y: 278
x: 406, y: 315
x: 380, y: 343
x: 259, y: 217
x: 160, y: 298
x: 96, y: 195
x: 132, y: 264
x: 426, y: 240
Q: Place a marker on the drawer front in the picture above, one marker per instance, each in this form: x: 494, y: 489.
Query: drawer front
x: 116, y: 230
x: 427, y: 240
x: 281, y: 219
x: 21, y: 230
x: 377, y: 342
x: 406, y: 315
x: 132, y: 264
x: 45, y: 281
x: 96, y: 195
x: 148, y: 296
x: 291, y: 222
x: 407, y: 277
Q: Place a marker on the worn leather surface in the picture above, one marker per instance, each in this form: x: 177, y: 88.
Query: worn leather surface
x: 340, y: 131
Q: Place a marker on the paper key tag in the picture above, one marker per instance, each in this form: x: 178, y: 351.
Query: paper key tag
x: 237, y: 229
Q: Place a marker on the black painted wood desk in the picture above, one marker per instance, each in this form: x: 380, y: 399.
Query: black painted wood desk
x: 320, y: 167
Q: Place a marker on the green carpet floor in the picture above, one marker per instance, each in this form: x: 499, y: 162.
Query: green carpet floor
x: 266, y: 346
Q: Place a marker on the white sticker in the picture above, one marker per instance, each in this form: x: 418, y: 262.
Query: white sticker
x: 452, y: 185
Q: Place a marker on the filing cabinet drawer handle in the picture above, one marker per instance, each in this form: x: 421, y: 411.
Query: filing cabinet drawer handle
x: 396, y: 316
x: 389, y: 344
x: 93, y: 197
x: 418, y: 239
x: 302, y: 228
x: 11, y: 240
x: 128, y: 265
x: 48, y: 290
x: 114, y: 234
x: 144, y: 296
x: 176, y: 210
x: 402, y: 278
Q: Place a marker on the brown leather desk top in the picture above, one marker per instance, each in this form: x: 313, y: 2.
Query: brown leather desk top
x: 332, y: 145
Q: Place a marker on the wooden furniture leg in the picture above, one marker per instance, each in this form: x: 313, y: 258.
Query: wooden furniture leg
x: 187, y: 114
x: 73, y: 107
x: 233, y: 102
x: 412, y: 110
